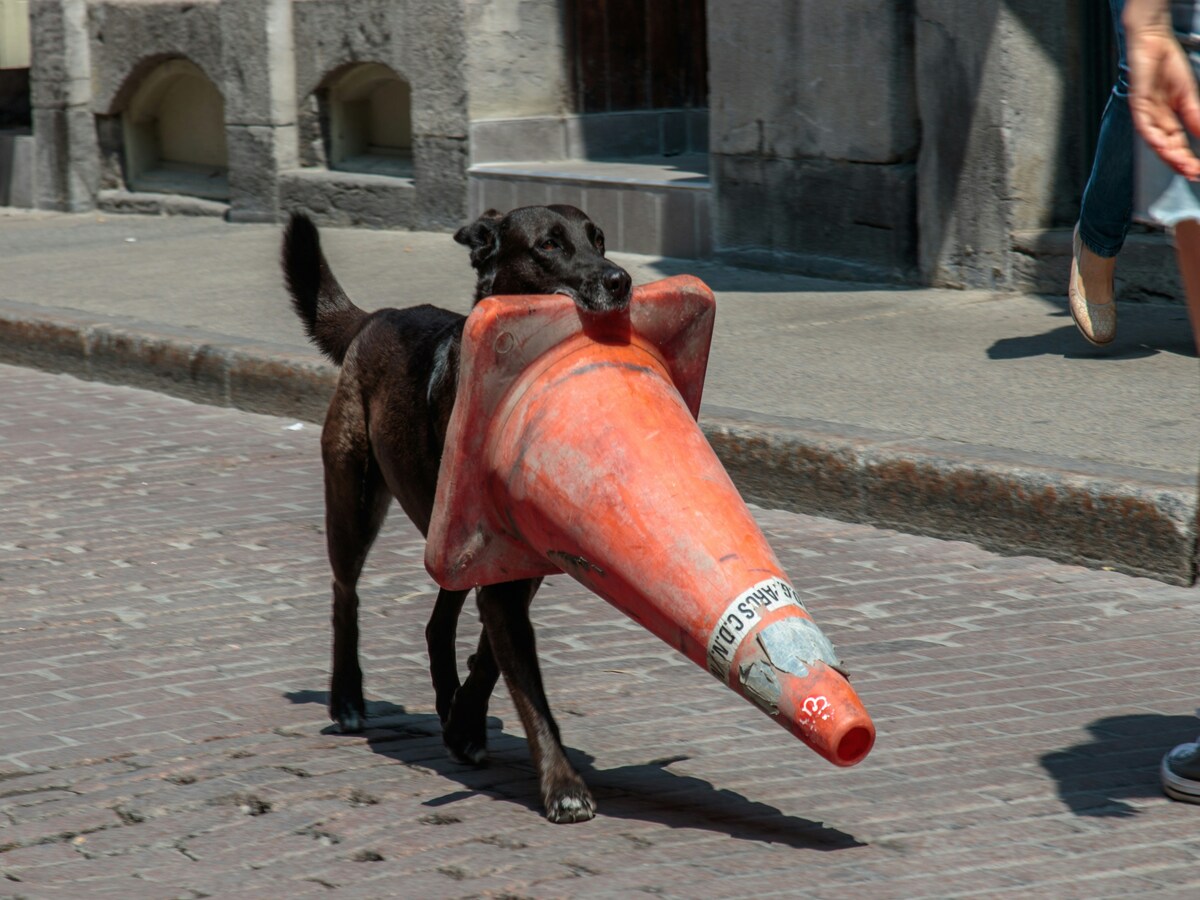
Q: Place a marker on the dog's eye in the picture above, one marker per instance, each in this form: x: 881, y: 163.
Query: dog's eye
x: 549, y: 245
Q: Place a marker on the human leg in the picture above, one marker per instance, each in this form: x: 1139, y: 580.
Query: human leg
x: 1187, y: 251
x: 1107, y: 203
x: 1105, y: 210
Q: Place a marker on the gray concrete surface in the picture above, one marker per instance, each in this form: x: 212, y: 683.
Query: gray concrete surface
x: 877, y: 391
x: 164, y: 663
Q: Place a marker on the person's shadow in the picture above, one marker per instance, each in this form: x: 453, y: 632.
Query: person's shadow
x: 649, y: 792
x: 1119, y: 763
x: 1143, y: 330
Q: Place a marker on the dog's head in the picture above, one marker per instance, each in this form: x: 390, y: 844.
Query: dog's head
x: 544, y: 250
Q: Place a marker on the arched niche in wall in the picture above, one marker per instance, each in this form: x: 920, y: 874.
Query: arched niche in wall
x: 174, y: 133
x: 370, y: 122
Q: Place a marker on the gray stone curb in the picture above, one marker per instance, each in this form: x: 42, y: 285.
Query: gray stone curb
x: 1138, y: 521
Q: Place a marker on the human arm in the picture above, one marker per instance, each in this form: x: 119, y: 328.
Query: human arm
x: 1163, y: 97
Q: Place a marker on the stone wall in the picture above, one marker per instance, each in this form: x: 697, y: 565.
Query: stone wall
x: 67, y: 158
x: 422, y: 42
x: 884, y: 139
x: 270, y: 61
x: 998, y: 98
x: 515, y: 62
x: 814, y: 135
x: 902, y: 139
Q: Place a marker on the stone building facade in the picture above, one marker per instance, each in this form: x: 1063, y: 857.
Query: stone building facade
x: 933, y: 141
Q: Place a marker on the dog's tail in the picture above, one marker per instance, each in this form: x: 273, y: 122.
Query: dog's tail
x: 329, y: 317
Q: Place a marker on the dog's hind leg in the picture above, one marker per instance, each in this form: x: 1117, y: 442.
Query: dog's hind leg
x: 356, y: 503
x: 505, y: 612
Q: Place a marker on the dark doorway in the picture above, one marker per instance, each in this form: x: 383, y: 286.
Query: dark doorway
x: 637, y: 54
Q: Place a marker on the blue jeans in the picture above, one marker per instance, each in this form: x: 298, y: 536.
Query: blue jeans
x: 1108, y: 198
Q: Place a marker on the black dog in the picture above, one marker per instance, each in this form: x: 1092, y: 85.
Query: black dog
x: 383, y: 438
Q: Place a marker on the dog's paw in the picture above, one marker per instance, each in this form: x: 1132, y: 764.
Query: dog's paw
x: 469, y: 753
x: 572, y: 803
x: 463, y: 746
x: 350, y: 717
x: 465, y: 737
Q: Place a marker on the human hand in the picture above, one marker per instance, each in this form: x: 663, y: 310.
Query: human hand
x: 1163, y: 98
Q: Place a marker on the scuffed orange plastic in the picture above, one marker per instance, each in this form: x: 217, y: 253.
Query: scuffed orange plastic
x: 573, y: 447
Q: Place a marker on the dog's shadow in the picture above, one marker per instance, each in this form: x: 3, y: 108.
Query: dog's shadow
x: 649, y: 792
x: 1119, y: 763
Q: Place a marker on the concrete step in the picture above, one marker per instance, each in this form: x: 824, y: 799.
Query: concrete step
x: 657, y: 205
x: 1146, y: 267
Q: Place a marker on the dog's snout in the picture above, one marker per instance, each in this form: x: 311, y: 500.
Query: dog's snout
x: 617, y: 283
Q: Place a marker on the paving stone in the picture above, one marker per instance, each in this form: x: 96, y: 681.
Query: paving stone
x: 164, y: 624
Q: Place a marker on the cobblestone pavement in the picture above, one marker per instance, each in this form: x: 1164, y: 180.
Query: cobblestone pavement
x: 163, y: 656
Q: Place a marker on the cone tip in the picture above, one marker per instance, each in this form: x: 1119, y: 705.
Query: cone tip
x: 854, y: 745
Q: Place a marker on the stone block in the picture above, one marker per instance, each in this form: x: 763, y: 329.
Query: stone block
x: 127, y: 40
x: 162, y: 359
x: 59, y: 73
x: 514, y: 58
x: 998, y: 92
x: 434, y: 46
x: 56, y: 341
x: 680, y: 223
x: 491, y: 193
x: 1136, y: 521
x: 66, y: 159
x: 514, y: 140
x: 829, y: 217
x: 257, y: 154
x: 440, y: 167
x: 603, y: 205
x: 641, y: 222
x: 311, y: 126
x: 258, y: 59
x: 420, y: 41
x: 345, y: 198
x: 796, y: 79
x: 271, y: 380
x: 17, y: 170
x: 1147, y: 271
x: 615, y: 135
x: 110, y: 139
x: 159, y: 204
x: 567, y: 193
x: 524, y: 192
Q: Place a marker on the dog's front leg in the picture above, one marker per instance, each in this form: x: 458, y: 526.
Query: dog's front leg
x: 439, y: 639
x: 505, y: 612
x: 461, y: 709
x: 464, y: 730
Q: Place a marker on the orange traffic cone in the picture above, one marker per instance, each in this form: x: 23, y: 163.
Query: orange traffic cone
x: 573, y: 447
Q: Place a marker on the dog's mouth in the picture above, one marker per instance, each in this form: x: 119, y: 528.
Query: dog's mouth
x: 603, y: 302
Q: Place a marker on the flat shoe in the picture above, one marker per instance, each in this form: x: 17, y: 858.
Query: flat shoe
x: 1097, y: 322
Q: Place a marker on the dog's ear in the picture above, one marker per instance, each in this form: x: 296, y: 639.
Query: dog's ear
x: 482, y: 236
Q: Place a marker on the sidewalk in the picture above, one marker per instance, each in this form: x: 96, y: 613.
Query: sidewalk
x: 961, y: 414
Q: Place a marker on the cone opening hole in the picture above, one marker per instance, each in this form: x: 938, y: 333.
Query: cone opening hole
x: 854, y: 745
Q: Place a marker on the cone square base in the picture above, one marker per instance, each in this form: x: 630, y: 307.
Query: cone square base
x: 506, y: 341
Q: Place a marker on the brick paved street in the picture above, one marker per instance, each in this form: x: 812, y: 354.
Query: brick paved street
x: 163, y: 662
